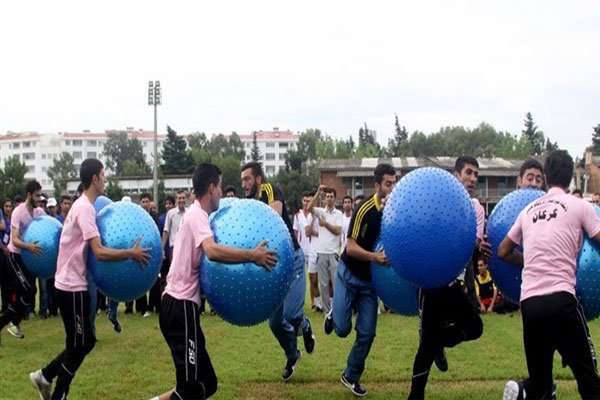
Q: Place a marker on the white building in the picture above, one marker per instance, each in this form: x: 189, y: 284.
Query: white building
x: 273, y: 147
x: 38, y: 150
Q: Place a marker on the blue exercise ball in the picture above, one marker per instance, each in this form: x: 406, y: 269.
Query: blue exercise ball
x: 101, y: 202
x: 223, y: 203
x: 397, y: 293
x: 507, y: 276
x: 247, y: 294
x: 44, y: 230
x: 429, y: 227
x: 120, y: 225
x: 588, y: 276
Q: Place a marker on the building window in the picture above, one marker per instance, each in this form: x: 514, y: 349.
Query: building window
x: 31, y: 169
x: 16, y: 145
x: 44, y: 169
x: 270, y: 156
x: 270, y: 144
x: 93, y: 143
x: 283, y: 144
x: 91, y: 154
x: 77, y: 142
x: 282, y: 156
x: 28, y: 156
x: 26, y: 145
x: 67, y: 142
x: 270, y: 169
x: 43, y: 156
x: 77, y: 155
x: 144, y: 143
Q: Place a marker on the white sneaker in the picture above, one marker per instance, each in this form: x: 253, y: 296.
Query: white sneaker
x: 146, y: 314
x: 15, y: 330
x: 43, y: 387
x: 513, y: 391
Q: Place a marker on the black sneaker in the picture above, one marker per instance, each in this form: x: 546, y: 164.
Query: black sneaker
x: 328, y: 323
x: 356, y: 388
x: 116, y: 325
x: 440, y: 360
x: 309, y: 338
x: 290, y: 366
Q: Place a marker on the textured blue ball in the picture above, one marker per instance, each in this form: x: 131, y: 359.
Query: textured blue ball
x: 429, y: 227
x: 246, y: 294
x: 223, y: 203
x: 507, y: 276
x: 588, y: 277
x: 120, y: 225
x: 395, y: 292
x: 101, y: 202
x: 44, y: 230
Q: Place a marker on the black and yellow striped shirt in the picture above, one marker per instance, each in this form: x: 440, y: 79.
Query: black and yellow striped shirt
x: 269, y: 194
x: 365, y: 226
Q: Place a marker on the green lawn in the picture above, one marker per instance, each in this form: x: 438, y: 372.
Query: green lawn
x: 137, y: 365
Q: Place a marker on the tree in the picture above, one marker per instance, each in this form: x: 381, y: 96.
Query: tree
x: 230, y: 170
x: 133, y: 168
x: 596, y: 140
x: 398, y: 145
x: 120, y: 148
x: 367, y: 143
x: 61, y: 171
x: 197, y: 139
x: 175, y: 154
x: 550, y: 146
x: 12, y: 177
x: 534, y: 136
x: 294, y: 183
x: 236, y: 147
x: 113, y: 189
x: 255, y: 153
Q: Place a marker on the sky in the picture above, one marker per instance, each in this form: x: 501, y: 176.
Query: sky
x: 250, y: 65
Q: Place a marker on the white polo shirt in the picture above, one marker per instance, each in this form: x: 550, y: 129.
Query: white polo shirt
x: 327, y: 242
x: 172, y: 223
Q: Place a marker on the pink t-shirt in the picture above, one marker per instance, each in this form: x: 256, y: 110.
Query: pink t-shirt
x: 183, y: 281
x: 21, y: 219
x: 80, y: 226
x: 480, y: 215
x: 552, y: 229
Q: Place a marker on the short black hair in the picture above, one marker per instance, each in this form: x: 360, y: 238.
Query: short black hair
x: 558, y: 168
x: 32, y: 186
x: 256, y: 169
x: 383, y: 169
x: 230, y: 188
x: 204, y: 175
x: 531, y: 163
x: 146, y: 195
x: 330, y: 190
x: 181, y: 191
x: 89, y: 168
x: 170, y: 198
x: 65, y: 197
x: 461, y: 161
x: 308, y: 194
x: 6, y: 201
x: 359, y: 197
x: 576, y: 191
x: 347, y: 197
x: 18, y: 199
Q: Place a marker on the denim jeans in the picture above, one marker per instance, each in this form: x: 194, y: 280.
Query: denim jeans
x: 351, y: 293
x: 288, y: 320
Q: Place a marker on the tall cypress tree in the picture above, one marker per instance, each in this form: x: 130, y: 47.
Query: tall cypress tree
x: 255, y: 153
x: 174, y: 153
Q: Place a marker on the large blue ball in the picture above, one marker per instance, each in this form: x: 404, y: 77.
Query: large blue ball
x: 44, y: 230
x: 507, y: 276
x: 223, y: 203
x: 395, y: 292
x: 246, y: 294
x: 429, y: 227
x: 120, y: 225
x: 101, y: 202
x: 588, y: 277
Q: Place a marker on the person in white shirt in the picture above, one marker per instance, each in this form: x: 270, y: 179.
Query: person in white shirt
x: 172, y: 223
x: 328, y: 242
x: 347, y: 204
x: 303, y: 221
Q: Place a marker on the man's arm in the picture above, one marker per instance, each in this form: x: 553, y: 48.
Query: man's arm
x: 493, y: 299
x: 103, y: 253
x: 314, y: 199
x: 508, y: 252
x: 356, y: 251
x: 259, y: 255
x: 15, y: 238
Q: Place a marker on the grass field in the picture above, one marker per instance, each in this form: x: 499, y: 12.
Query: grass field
x: 136, y: 364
